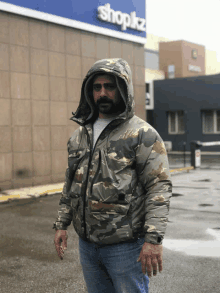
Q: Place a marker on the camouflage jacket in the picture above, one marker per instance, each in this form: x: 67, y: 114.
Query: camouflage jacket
x: 120, y: 190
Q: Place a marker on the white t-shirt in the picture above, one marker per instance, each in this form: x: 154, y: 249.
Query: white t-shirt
x: 98, y: 126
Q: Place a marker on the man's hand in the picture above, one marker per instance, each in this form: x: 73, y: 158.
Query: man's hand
x: 60, y: 238
x: 151, y: 257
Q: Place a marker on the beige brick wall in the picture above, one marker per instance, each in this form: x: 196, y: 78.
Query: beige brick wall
x: 179, y: 53
x: 187, y: 58
x: 42, y: 66
x: 171, y: 54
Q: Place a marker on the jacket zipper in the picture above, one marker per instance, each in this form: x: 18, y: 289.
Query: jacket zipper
x: 87, y: 176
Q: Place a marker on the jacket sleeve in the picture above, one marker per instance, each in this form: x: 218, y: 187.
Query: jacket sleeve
x: 154, y: 175
x: 65, y: 212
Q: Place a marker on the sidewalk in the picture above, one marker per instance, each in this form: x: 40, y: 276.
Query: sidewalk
x: 44, y: 190
x: 29, y: 192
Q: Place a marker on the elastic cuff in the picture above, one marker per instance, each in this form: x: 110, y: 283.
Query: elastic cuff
x: 153, y: 238
x: 59, y: 226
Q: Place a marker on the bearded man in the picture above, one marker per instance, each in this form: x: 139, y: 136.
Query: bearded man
x: 117, y: 188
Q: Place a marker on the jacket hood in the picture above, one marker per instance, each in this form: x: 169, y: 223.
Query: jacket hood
x: 86, y: 111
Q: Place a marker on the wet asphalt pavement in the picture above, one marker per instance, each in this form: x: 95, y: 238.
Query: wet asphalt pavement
x: 28, y: 260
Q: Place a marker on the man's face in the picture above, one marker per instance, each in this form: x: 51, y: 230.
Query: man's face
x: 106, y: 95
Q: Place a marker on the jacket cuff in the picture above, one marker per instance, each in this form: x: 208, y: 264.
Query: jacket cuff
x: 153, y: 238
x: 59, y: 226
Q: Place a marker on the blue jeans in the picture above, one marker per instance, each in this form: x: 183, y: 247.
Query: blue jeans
x: 113, y: 268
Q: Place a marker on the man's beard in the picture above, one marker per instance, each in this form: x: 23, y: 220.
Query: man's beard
x: 107, y: 106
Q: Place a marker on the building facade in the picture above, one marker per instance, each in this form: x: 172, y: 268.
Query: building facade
x: 152, y: 65
x: 181, y: 59
x: 188, y: 109
x: 167, y: 59
x: 42, y: 65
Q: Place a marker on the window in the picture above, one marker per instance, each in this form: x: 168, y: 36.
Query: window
x: 176, y: 122
x: 149, y: 96
x: 171, y: 71
x: 211, y: 121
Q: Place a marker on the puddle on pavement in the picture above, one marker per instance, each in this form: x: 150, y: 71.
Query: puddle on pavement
x: 203, y: 180
x: 176, y: 194
x: 192, y: 187
x: 202, y: 248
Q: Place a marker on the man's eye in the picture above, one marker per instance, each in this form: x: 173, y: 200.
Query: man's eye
x: 110, y: 87
x: 97, y: 87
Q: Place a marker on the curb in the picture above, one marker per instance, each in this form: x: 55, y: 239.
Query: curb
x: 180, y: 170
x: 30, y: 192
x: 44, y: 190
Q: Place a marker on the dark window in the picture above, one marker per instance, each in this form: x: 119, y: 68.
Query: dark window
x: 211, y: 121
x: 176, y: 123
x: 218, y: 120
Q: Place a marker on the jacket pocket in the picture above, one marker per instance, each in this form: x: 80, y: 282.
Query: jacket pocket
x: 74, y: 159
x: 109, y: 208
x: 117, y: 163
x: 109, y: 223
x: 116, y: 180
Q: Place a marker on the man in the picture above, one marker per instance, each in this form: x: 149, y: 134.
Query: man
x: 117, y: 186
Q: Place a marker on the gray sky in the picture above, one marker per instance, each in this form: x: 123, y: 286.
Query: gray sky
x: 196, y: 21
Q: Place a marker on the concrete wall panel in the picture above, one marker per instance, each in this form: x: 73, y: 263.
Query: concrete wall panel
x: 57, y: 64
x: 58, y: 138
x: 39, y: 87
x: 22, y: 139
x: 4, y: 57
x: 73, y: 41
x: 58, y: 113
x: 19, y: 58
x: 102, y: 44
x: 42, y: 67
x: 139, y: 75
x: 73, y: 89
x: 18, y: 30
x: 4, y: 27
x: 38, y: 34
x: 88, y: 44
x: 5, y: 139
x: 39, y: 61
x: 40, y: 113
x: 41, y: 138
x: 73, y: 66
x: 20, y: 86
x: 5, y: 112
x: 6, y: 166
x: 22, y: 165
x: 21, y: 110
x: 56, y: 38
x: 128, y: 52
x: 115, y: 48
x: 42, y: 163
x: 4, y: 85
x: 57, y: 88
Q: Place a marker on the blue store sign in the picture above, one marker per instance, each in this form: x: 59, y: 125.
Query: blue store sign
x: 120, y: 19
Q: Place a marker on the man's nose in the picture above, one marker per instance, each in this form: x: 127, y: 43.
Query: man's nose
x: 102, y: 91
